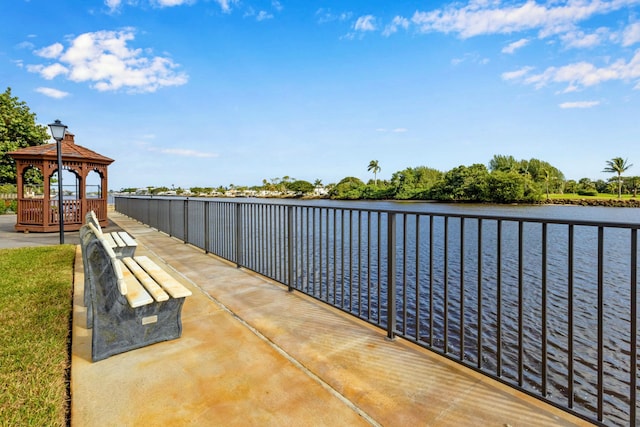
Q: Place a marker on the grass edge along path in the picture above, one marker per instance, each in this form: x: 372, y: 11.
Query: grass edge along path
x: 36, y: 286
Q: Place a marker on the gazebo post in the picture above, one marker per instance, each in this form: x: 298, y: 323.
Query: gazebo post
x: 82, y: 190
x: 46, y: 198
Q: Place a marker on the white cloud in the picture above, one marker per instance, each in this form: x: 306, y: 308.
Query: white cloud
x: 112, y: 4
x: 398, y: 22
x: 326, y: 15
x: 171, y: 3
x: 49, y: 52
x: 365, y: 23
x: 631, y: 34
x: 480, y: 17
x: 512, y: 47
x: 185, y: 152
x: 584, y: 74
x: 225, y: 5
x: 50, y: 72
x: 25, y: 45
x: 262, y: 15
x: 104, y: 59
x: 473, y: 58
x: 517, y: 74
x: 579, y: 104
x: 578, y: 39
x: 53, y: 93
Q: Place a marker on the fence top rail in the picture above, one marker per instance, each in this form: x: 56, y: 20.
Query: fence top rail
x: 422, y: 213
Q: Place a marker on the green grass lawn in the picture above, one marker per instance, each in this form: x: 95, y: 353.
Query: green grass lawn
x: 35, y: 313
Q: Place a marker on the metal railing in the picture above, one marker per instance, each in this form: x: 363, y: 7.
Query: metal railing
x: 546, y: 306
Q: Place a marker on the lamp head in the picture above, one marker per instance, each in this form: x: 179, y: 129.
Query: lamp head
x: 57, y: 130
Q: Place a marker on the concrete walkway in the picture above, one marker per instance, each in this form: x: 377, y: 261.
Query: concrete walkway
x: 252, y: 353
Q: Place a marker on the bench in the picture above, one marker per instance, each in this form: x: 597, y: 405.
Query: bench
x: 134, y: 302
x: 120, y: 241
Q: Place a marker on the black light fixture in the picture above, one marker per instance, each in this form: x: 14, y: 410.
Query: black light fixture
x: 57, y: 132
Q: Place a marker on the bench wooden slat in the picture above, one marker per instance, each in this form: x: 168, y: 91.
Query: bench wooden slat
x: 147, y: 281
x: 107, y: 237
x: 116, y: 237
x: 127, y: 239
x: 171, y: 285
x: 136, y: 295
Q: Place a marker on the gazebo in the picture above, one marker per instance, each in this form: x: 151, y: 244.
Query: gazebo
x: 38, y: 210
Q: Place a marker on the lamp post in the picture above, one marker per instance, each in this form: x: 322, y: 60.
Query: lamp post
x: 57, y: 132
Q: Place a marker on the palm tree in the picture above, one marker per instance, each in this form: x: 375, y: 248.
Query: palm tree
x: 617, y: 165
x: 547, y: 179
x: 633, y: 183
x: 375, y: 168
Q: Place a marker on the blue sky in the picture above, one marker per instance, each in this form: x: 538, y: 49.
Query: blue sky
x: 218, y: 92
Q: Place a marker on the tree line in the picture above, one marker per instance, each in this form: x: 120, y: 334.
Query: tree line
x: 505, y: 180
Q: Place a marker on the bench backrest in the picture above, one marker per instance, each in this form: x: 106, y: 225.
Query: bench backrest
x: 104, y: 270
x: 91, y: 218
x: 86, y: 234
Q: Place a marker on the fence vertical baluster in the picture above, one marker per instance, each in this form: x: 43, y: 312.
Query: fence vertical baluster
x: 600, y: 384
x: 480, y: 296
x: 379, y: 253
x: 499, y: 298
x: 570, y: 349
x: 417, y: 268
x: 431, y: 281
x: 290, y: 258
x: 461, y: 292
x: 391, y: 275
x: 185, y: 222
x: 359, y: 263
x: 544, y: 312
x: 520, y: 303
x: 369, y: 265
x: 239, y: 258
x: 206, y: 227
x: 634, y: 326
x: 404, y: 274
x: 446, y: 284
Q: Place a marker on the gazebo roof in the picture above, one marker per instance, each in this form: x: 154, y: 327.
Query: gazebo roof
x: 70, y: 152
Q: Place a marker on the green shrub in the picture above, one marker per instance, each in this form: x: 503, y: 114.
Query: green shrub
x: 8, y: 206
x: 587, y: 192
x: 350, y: 188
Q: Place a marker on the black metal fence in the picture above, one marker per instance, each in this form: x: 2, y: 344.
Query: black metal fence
x: 548, y: 307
